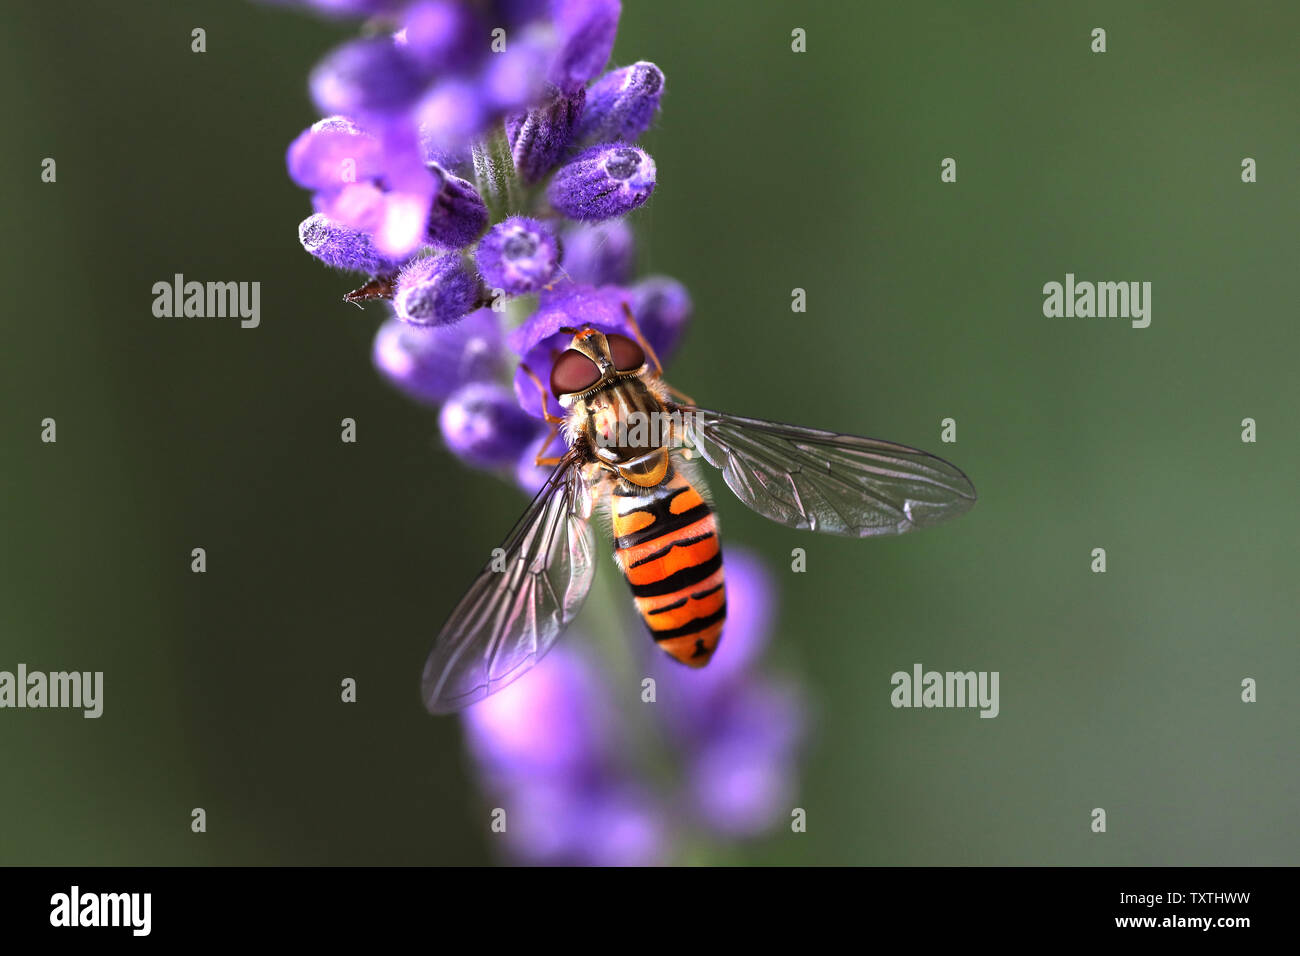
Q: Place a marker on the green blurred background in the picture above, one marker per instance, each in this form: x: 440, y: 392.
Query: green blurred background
x: 777, y: 170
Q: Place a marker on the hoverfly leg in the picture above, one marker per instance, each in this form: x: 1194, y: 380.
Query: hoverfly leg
x: 548, y: 461
x: 636, y: 332
x: 541, y: 393
x: 679, y: 394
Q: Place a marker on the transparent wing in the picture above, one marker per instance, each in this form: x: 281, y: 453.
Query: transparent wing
x: 521, y: 601
x: 821, y: 481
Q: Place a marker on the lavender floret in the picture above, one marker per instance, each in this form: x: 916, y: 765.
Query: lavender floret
x: 442, y: 36
x: 367, y: 76
x: 459, y: 214
x: 586, y: 29
x: 342, y: 246
x: 600, y: 254
x: 539, y: 138
x: 429, y: 363
x: 662, y: 308
x: 435, y: 290
x: 603, y: 182
x: 483, y: 425
x: 622, y: 104
x: 518, y: 255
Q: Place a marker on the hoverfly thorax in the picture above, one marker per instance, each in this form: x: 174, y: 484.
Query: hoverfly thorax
x: 600, y: 381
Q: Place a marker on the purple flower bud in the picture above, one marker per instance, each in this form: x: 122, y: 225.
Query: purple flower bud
x: 574, y: 305
x: 434, y: 290
x: 395, y: 221
x: 619, y: 825
x: 449, y: 116
x: 662, y: 308
x: 622, y: 104
x: 586, y: 29
x: 458, y: 215
x: 742, y: 772
x: 342, y: 246
x: 602, y: 254
x: 429, y: 363
x: 548, y: 745
x: 556, y: 821
x: 518, y: 255
x: 603, y: 182
x: 516, y: 78
x: 442, y: 36
x: 483, y: 425
x: 556, y: 718
x: 539, y: 137
x: 371, y: 75
x: 332, y: 153
x: 392, y: 205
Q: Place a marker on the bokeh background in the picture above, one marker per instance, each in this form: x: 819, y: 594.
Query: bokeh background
x: 777, y: 170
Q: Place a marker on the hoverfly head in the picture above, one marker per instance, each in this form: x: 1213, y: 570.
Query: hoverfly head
x: 593, y: 359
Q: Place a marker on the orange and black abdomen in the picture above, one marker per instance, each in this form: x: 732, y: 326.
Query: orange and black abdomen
x: 667, y: 543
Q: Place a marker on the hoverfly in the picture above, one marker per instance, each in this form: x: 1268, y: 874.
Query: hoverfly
x: 664, y: 530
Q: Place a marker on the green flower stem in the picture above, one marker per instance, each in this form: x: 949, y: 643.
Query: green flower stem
x: 495, y: 177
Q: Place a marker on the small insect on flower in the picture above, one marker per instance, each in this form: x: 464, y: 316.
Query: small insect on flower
x: 632, y: 442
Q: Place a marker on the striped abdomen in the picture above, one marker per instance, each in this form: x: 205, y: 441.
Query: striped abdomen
x: 667, y: 544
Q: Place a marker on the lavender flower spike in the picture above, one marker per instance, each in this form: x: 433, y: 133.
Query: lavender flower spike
x: 603, y: 182
x: 341, y: 246
x: 622, y: 104
x: 518, y: 255
x: 434, y: 290
x: 484, y: 426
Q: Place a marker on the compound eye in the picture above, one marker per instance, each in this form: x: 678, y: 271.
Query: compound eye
x: 627, y: 355
x: 573, y: 372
